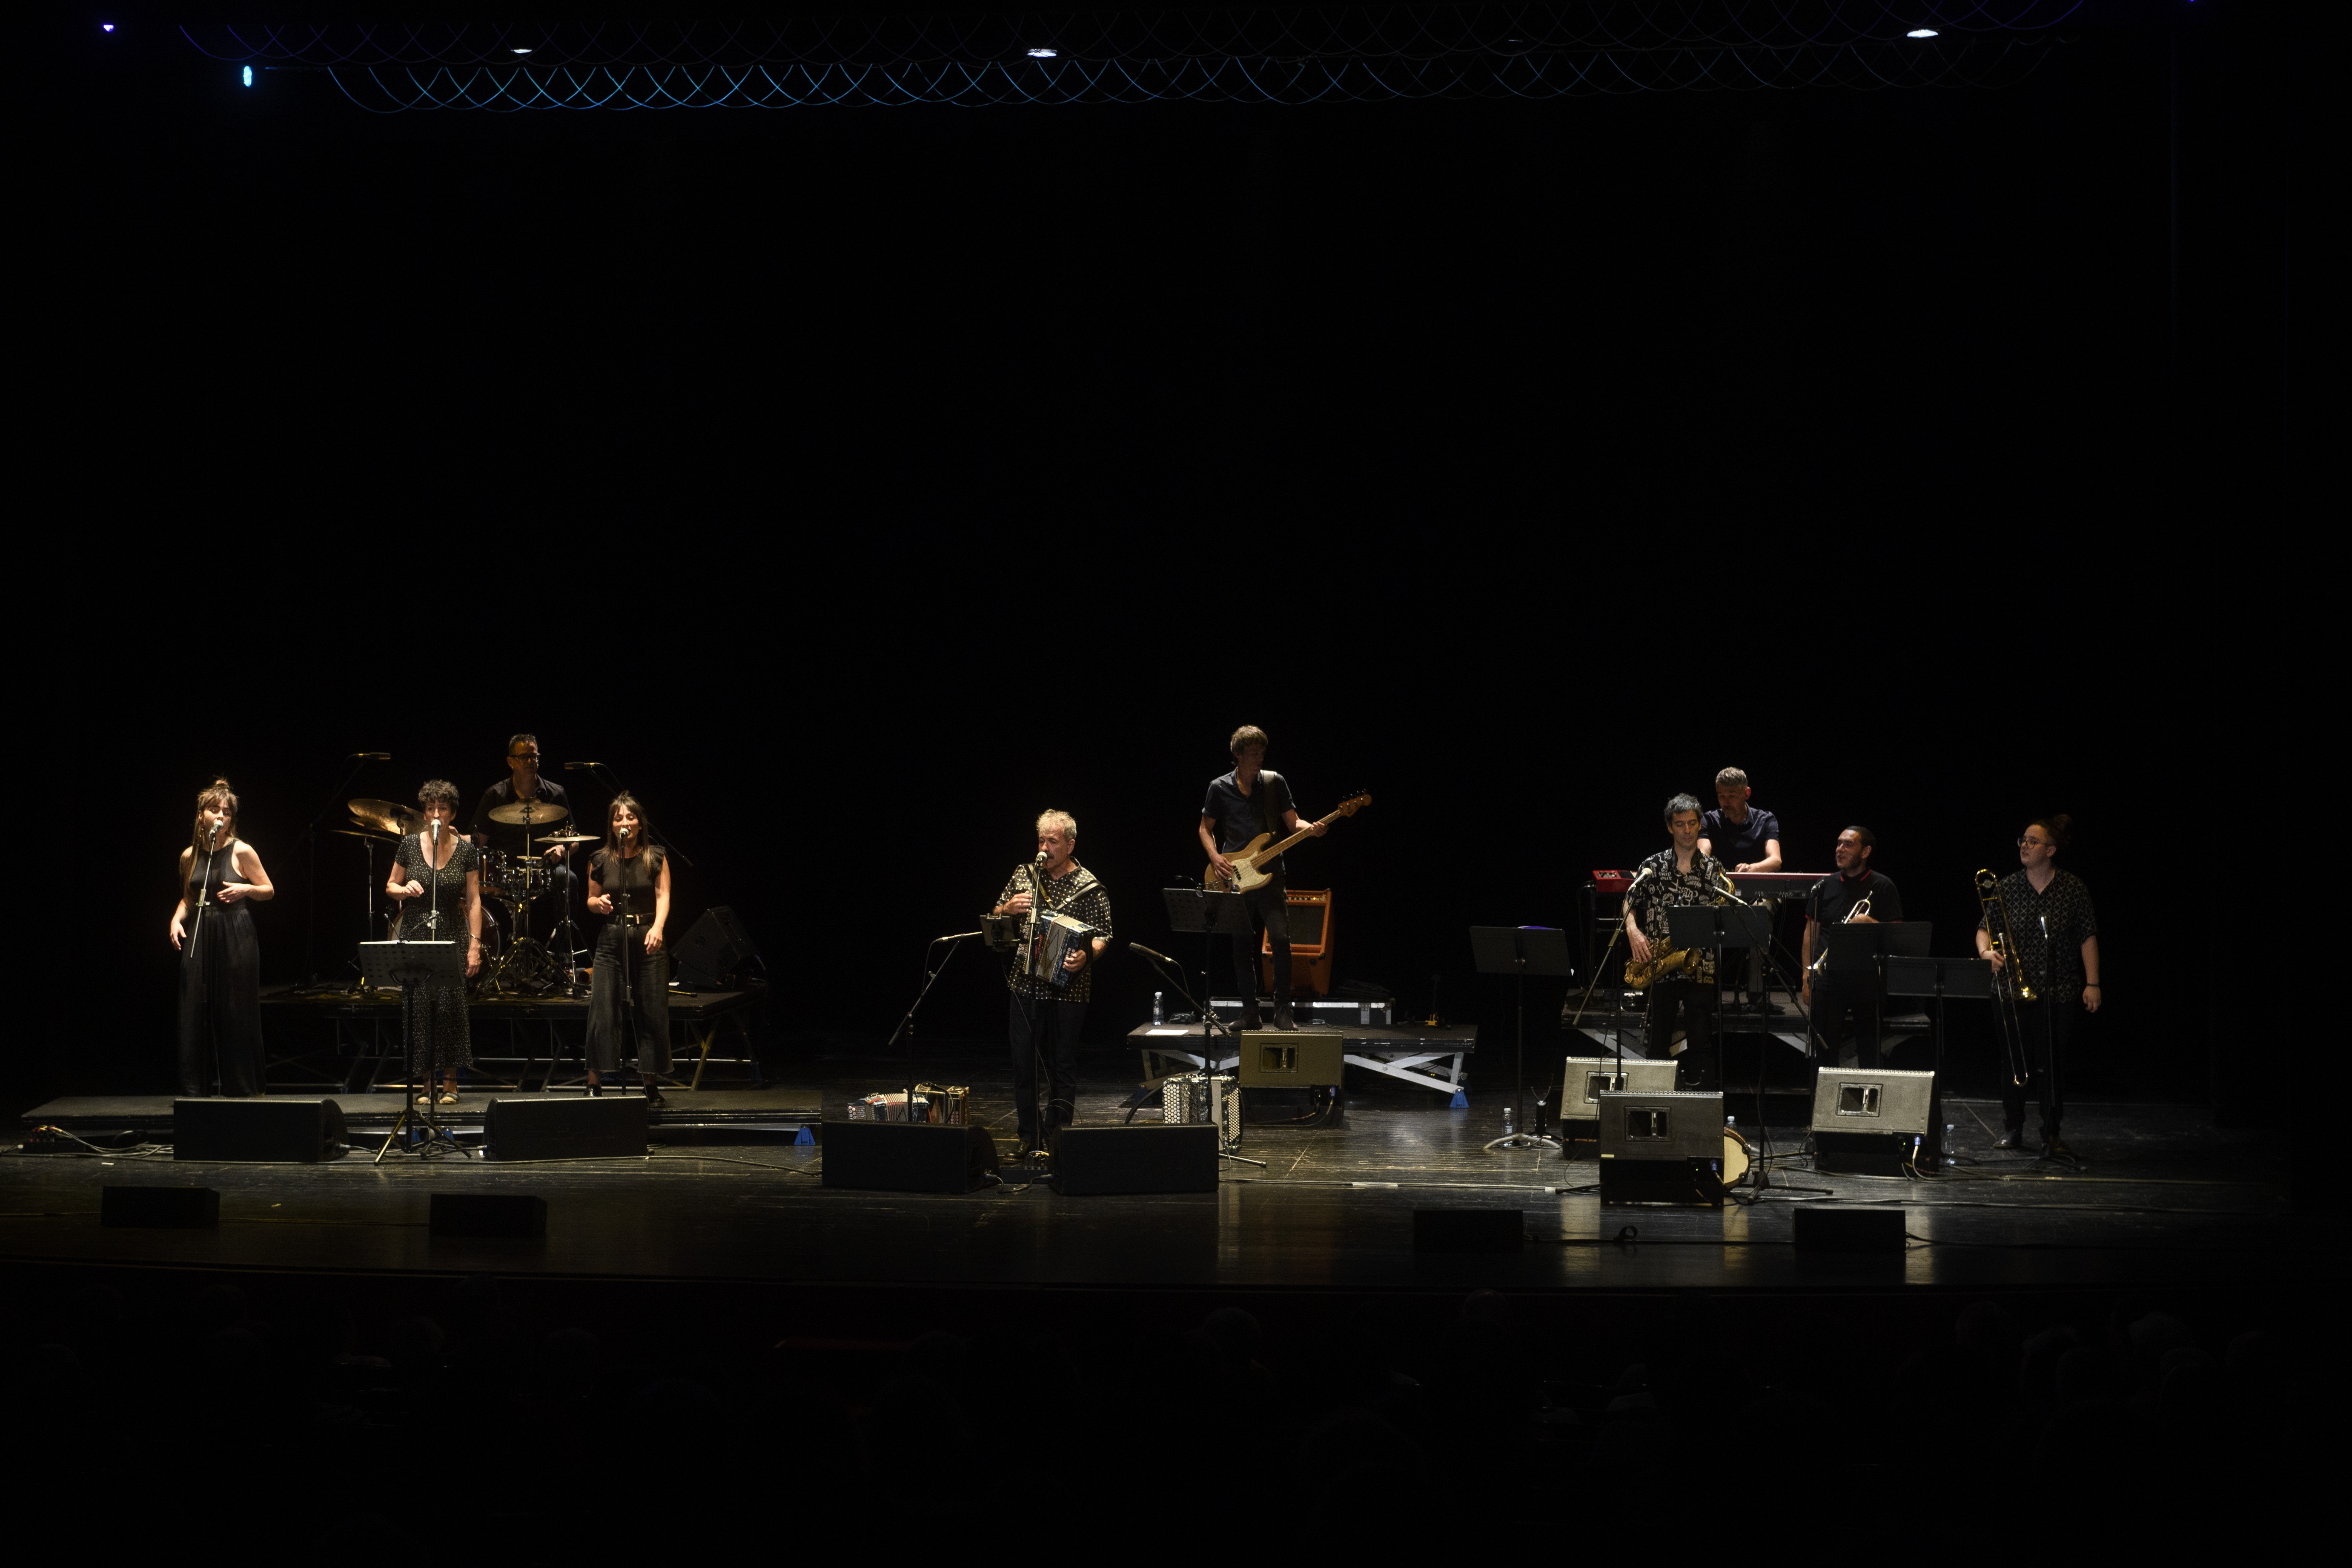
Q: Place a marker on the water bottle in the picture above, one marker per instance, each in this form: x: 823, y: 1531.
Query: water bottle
x: 1159, y: 1009
x: 1951, y: 1156
x: 1507, y: 1122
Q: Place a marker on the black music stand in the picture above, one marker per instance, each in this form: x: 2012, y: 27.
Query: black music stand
x: 1210, y: 914
x: 403, y: 963
x: 1858, y: 951
x: 1519, y: 952
x: 1970, y: 979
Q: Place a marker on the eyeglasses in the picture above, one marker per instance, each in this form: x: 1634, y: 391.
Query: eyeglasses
x: 522, y: 756
x: 2036, y: 843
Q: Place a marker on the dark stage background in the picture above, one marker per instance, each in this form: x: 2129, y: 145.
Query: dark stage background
x: 1521, y: 462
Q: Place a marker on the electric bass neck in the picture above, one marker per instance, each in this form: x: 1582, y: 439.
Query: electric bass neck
x: 1252, y: 863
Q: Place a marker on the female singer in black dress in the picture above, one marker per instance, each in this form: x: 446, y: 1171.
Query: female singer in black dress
x: 638, y: 874
x: 220, y: 962
x: 438, y: 881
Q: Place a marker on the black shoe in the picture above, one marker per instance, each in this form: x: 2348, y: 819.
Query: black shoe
x: 653, y: 1100
x: 1282, y: 1019
x: 1250, y: 1019
x: 595, y: 1091
x: 2052, y: 1149
x: 2012, y: 1138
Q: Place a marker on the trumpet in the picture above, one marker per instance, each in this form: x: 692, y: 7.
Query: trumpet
x: 2006, y: 996
x: 1851, y: 915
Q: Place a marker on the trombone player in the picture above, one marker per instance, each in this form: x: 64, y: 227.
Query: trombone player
x: 2056, y: 933
x: 1856, y: 895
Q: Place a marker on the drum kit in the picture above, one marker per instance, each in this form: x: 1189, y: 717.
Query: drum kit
x: 524, y: 965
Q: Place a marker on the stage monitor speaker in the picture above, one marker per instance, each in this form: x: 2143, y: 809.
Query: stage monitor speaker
x: 1142, y: 1157
x: 907, y: 1157
x: 715, y: 949
x: 509, y: 1214
x: 1586, y: 1078
x: 553, y: 1126
x: 1662, y: 1149
x: 258, y: 1130
x: 1870, y: 1123
x: 1291, y: 1058
x: 1816, y: 1228
x: 159, y: 1208
x: 1469, y: 1230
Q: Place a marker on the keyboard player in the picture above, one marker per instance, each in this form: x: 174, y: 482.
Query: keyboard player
x: 1746, y: 838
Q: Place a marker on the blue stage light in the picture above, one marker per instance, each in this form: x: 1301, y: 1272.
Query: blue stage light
x: 106, y: 26
x: 249, y: 75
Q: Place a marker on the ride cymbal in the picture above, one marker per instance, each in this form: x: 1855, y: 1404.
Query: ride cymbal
x: 386, y: 817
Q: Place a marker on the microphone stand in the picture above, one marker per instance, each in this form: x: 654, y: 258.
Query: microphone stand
x: 906, y: 1025
x: 1211, y: 1026
x: 310, y: 882
x: 196, y: 949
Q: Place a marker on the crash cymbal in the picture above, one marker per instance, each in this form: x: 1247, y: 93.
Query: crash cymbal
x: 565, y: 838
x: 540, y: 812
x: 386, y: 817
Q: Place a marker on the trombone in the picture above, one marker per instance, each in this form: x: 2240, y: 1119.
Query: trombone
x: 2009, y: 985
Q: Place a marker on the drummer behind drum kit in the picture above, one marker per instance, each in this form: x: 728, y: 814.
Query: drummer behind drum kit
x: 527, y: 967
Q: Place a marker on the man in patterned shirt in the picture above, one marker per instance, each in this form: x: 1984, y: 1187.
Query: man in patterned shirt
x: 1046, y: 1017
x: 2057, y: 937
x: 1682, y: 875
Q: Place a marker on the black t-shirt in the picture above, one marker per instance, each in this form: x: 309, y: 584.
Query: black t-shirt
x: 1738, y: 843
x: 1833, y: 895
x: 509, y: 837
x: 631, y: 879
x: 1241, y: 818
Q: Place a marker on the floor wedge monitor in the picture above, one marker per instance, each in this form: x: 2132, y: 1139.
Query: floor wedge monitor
x: 907, y: 1157
x: 565, y: 1127
x: 263, y: 1130
x: 1291, y: 1059
x: 1871, y: 1123
x: 1142, y: 1157
x: 1662, y: 1149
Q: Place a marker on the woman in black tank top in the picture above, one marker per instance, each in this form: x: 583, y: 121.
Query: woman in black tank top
x: 221, y: 879
x: 628, y: 883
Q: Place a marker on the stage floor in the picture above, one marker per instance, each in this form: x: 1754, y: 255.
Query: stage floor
x: 2164, y: 1197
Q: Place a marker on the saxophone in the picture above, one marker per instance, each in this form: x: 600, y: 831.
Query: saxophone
x: 1699, y: 962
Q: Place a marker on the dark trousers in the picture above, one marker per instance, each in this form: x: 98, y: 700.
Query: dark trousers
x: 1834, y: 1000
x: 1676, y: 1001
x: 1269, y: 914
x: 650, y: 990
x: 220, y: 1010
x: 1045, y: 1031
x: 2048, y: 1029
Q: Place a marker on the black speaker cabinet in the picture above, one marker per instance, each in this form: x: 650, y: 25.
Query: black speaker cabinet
x: 1814, y: 1228
x: 715, y: 949
x: 907, y: 1157
x: 1469, y: 1230
x: 503, y: 1215
x: 550, y: 1127
x: 258, y: 1130
x: 1144, y: 1157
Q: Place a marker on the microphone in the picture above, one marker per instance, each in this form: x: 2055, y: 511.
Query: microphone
x: 1156, y: 957
x: 953, y: 936
x: 622, y: 832
x: 379, y: 757
x: 1040, y: 857
x: 1637, y: 880
x: 575, y: 767
x: 437, y: 832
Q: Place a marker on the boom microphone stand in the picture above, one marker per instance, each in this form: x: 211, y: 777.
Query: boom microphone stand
x: 1212, y: 1026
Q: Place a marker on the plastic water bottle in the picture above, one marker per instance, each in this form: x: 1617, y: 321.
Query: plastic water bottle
x: 1950, y: 1156
x: 1507, y: 1122
x: 1159, y: 1008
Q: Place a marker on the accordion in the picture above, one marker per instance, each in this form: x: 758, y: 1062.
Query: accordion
x: 1058, y: 937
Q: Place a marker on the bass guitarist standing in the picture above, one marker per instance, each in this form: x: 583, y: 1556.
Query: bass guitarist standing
x: 1241, y: 804
x: 1683, y: 874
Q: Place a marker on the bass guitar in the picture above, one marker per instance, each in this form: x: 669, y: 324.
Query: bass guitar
x: 1250, y: 861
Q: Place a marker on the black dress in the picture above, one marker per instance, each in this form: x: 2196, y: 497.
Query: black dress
x: 630, y: 882
x: 432, y: 1011
x: 220, y: 986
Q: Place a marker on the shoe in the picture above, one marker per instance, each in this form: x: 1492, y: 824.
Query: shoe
x: 654, y: 1095
x: 1250, y: 1019
x: 2012, y: 1138
x: 1282, y: 1019
x: 595, y: 1091
x: 2052, y: 1149
x: 449, y: 1097
x: 424, y: 1099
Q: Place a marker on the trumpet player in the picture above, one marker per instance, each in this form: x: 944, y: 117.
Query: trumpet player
x: 1856, y: 895
x: 1681, y: 874
x: 2057, y: 937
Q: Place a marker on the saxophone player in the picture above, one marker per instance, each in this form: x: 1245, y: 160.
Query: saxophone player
x: 1679, y: 875
x: 2057, y: 936
x: 1856, y: 895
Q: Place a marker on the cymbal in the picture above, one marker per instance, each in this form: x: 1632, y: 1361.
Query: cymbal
x: 360, y: 833
x: 565, y: 838
x: 545, y: 811
x: 386, y: 817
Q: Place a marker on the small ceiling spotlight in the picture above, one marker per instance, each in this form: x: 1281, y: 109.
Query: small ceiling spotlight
x: 106, y: 26
x: 1045, y: 54
x: 518, y: 51
x: 1922, y: 32
x: 249, y: 75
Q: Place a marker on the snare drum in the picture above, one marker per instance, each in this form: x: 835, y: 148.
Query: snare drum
x: 1738, y: 1155
x: 514, y: 879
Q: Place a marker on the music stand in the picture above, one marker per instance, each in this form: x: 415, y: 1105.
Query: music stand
x: 1519, y: 952
x: 405, y: 963
x: 1970, y: 979
x: 1856, y: 950
x: 1209, y: 913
